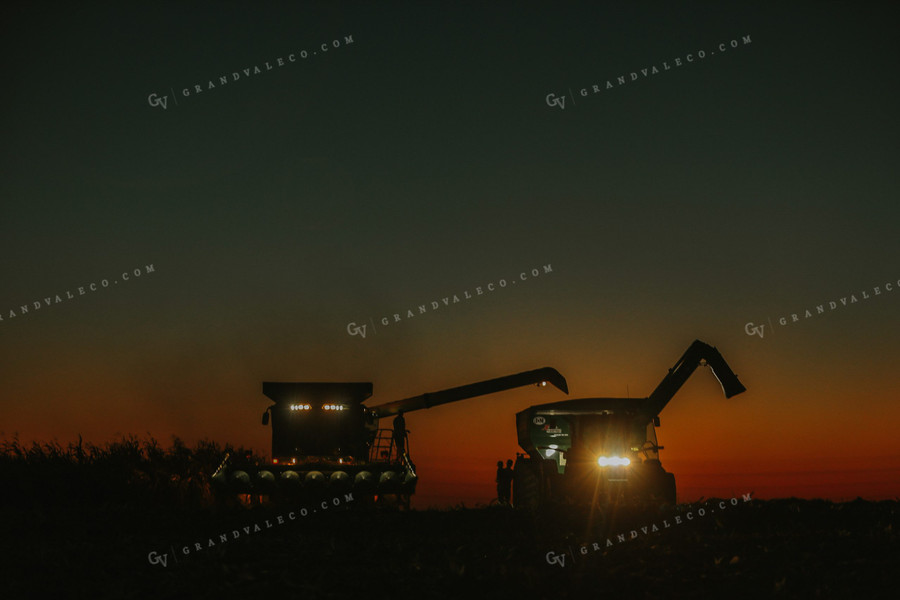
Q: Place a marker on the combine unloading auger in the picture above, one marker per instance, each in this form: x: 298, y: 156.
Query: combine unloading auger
x: 325, y: 441
x: 605, y: 448
x: 545, y: 375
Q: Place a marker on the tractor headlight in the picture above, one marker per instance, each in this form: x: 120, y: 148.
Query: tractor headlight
x: 613, y: 461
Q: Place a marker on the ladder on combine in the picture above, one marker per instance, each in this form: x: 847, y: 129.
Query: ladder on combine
x: 384, y: 450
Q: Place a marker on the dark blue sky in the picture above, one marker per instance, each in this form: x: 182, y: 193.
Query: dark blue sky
x: 422, y: 160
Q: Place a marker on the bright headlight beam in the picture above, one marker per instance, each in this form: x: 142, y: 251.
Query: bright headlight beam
x: 613, y: 461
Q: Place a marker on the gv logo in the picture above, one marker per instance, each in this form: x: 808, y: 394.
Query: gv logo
x: 553, y: 100
x: 156, y: 559
x: 354, y: 329
x: 556, y: 559
x: 751, y: 330
x: 155, y: 100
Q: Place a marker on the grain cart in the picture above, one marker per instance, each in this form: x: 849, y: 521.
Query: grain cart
x: 592, y: 450
x: 325, y: 441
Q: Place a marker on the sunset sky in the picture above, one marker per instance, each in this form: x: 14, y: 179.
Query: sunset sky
x: 422, y: 160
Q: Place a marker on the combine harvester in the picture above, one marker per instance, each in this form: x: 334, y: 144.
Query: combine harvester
x: 326, y: 442
x: 604, y: 450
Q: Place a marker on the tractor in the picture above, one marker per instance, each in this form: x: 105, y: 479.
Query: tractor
x: 604, y: 450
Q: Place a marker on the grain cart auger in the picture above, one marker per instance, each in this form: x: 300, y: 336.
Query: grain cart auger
x: 601, y: 450
x: 325, y: 441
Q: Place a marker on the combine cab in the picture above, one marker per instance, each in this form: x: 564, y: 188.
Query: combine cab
x: 326, y: 442
x: 603, y: 450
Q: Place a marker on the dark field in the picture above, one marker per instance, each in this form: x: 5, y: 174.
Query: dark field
x: 82, y: 522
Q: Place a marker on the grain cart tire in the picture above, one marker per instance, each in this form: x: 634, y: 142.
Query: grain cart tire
x: 668, y: 488
x: 526, y: 485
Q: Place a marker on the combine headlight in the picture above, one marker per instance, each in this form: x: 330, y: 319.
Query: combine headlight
x: 613, y: 461
x: 333, y: 407
x: 300, y: 407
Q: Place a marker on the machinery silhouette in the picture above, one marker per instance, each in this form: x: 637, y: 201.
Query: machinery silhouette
x: 325, y: 441
x: 587, y: 450
x: 605, y: 449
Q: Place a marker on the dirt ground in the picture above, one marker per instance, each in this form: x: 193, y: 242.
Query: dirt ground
x: 779, y: 548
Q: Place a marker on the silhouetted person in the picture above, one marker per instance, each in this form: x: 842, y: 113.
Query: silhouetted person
x: 400, y: 434
x: 506, y: 479
x: 499, y: 481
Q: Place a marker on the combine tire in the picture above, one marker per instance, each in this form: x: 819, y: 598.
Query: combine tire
x: 526, y: 492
